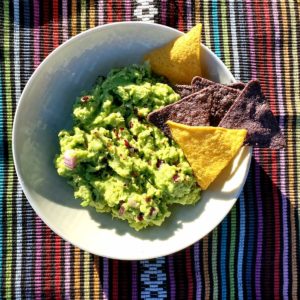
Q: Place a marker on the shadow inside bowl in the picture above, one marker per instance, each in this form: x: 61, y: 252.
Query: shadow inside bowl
x: 164, y: 232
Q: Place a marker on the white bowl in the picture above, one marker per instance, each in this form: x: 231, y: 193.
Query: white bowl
x: 45, y: 108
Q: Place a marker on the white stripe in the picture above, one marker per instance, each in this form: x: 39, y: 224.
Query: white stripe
x: 236, y: 64
x: 145, y: 11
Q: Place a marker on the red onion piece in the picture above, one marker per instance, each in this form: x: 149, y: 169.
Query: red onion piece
x: 69, y: 159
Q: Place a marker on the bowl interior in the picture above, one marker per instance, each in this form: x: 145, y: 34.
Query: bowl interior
x: 45, y: 108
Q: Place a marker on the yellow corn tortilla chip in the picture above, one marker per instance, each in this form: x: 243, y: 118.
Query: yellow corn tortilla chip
x: 208, y: 149
x: 179, y: 60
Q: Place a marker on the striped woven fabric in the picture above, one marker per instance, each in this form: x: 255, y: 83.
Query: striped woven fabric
x: 254, y: 253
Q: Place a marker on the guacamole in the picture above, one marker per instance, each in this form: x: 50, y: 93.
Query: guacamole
x: 115, y: 160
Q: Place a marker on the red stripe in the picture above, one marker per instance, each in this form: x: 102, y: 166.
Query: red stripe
x: 47, y: 233
x: 115, y: 278
x: 266, y: 71
x: 272, y: 97
x: 189, y: 273
x: 109, y: 10
x: 57, y: 245
x: 181, y: 15
x: 55, y: 24
x: 119, y: 10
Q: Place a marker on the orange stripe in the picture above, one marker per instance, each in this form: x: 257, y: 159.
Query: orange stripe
x: 92, y: 13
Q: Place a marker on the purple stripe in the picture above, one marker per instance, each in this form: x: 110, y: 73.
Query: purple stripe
x: 67, y: 267
x: 189, y: 14
x: 38, y: 258
x: 36, y: 34
x: 65, y: 20
x: 134, y: 280
x: 197, y: 270
x: 101, y: 12
x: 259, y: 203
x: 285, y: 233
x: 251, y: 37
x: 127, y: 10
x: 163, y: 5
x: 172, y: 288
x: 105, y: 278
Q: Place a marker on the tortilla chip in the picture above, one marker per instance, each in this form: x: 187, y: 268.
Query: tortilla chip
x: 191, y: 110
x: 179, y: 60
x: 237, y: 85
x: 221, y: 98
x: 208, y: 149
x: 183, y: 90
x: 252, y: 112
x: 199, y: 83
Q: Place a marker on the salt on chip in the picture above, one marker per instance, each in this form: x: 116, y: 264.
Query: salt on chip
x: 179, y: 60
x: 208, y: 149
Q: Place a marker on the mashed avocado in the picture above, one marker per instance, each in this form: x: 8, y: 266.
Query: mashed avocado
x: 116, y: 161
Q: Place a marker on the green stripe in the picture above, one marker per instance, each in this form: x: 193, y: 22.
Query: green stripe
x: 83, y: 15
x: 225, y: 38
x: 233, y: 230
x: 214, y: 261
x: 9, y: 118
x: 206, y: 24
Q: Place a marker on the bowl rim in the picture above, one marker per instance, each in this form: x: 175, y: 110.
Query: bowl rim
x: 21, y: 102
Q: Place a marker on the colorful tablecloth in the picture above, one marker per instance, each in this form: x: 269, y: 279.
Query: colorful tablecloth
x: 254, y: 253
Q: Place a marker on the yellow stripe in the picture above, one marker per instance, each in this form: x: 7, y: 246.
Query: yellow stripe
x: 74, y: 17
x: 289, y: 109
x: 225, y: 38
x: 77, y: 273
x: 295, y: 55
x: 295, y: 63
x: 9, y: 184
x: 87, y: 275
x: 96, y: 278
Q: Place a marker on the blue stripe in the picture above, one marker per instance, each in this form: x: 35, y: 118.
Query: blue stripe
x: 215, y: 22
x: 223, y: 258
x: 224, y: 225
x: 251, y: 220
x: 241, y: 245
x: 153, y: 279
x: 30, y: 216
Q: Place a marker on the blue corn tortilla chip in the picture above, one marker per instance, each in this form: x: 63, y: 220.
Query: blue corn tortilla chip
x: 200, y: 83
x: 183, y: 90
x: 251, y: 111
x: 193, y: 110
x: 204, y: 108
